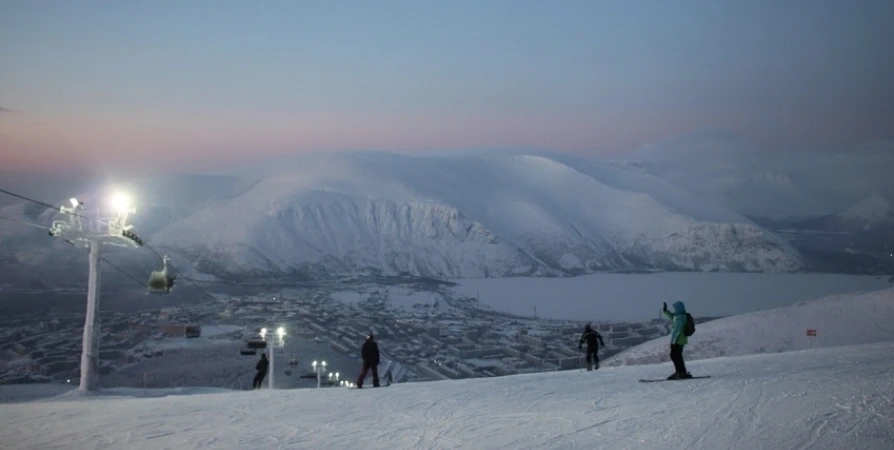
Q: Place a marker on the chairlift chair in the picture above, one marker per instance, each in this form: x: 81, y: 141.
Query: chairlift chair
x: 160, y: 281
x: 248, y: 352
x: 256, y: 343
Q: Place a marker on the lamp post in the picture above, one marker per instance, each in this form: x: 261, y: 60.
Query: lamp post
x: 279, y: 342
x: 119, y: 234
x: 319, y: 369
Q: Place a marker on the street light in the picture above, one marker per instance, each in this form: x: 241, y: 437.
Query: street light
x: 118, y: 233
x: 277, y: 343
x: 120, y: 201
x: 319, y: 369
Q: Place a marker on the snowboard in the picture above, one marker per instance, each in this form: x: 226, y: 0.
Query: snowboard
x: 677, y: 379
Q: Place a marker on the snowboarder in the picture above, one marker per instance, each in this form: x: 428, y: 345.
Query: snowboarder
x: 370, y: 354
x: 261, y: 367
x: 593, y: 339
x: 678, y: 339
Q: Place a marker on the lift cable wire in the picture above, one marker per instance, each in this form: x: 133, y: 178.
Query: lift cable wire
x: 114, y: 266
x: 34, y: 225
x: 56, y: 208
x: 45, y: 204
x: 150, y: 248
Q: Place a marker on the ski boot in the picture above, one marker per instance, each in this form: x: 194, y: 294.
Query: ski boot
x: 680, y: 376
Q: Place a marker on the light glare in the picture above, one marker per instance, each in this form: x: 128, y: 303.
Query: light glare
x: 120, y: 201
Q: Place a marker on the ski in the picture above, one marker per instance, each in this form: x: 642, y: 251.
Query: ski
x: 675, y: 379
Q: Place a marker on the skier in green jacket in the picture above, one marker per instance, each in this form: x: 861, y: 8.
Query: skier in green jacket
x: 678, y: 339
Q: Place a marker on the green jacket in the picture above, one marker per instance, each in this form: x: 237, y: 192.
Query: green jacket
x: 679, y: 319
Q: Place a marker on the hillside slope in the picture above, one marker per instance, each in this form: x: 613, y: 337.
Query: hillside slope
x: 470, y: 216
x: 796, y: 400
x: 848, y: 319
x: 461, y: 216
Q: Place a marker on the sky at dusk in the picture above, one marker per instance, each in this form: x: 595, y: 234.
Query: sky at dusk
x: 173, y: 83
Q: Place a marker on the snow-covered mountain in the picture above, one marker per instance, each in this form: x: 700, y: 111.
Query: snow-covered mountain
x: 817, y: 399
x: 469, y: 215
x: 870, y: 214
x: 874, y: 207
x: 849, y: 319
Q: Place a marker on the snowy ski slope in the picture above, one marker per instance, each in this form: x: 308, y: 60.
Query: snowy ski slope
x: 834, y: 398
x: 847, y: 319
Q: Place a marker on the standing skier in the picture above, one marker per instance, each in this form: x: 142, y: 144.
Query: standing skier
x: 261, y: 367
x: 370, y: 354
x: 591, y: 336
x: 678, y: 339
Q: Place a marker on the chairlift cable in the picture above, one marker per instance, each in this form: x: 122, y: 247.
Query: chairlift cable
x: 56, y: 208
x: 45, y: 204
x: 122, y: 271
x: 25, y: 223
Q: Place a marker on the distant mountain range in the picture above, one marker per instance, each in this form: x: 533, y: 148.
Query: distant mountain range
x: 465, y: 215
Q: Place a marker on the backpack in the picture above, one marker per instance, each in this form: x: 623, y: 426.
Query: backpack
x: 689, y: 328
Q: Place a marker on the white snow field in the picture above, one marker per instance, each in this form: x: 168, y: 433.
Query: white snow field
x: 850, y: 319
x: 833, y: 398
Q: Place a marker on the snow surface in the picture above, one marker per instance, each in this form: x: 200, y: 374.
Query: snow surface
x: 618, y: 297
x: 815, y: 399
x: 838, y: 320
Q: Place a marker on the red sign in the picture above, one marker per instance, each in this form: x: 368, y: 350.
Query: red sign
x: 811, y: 332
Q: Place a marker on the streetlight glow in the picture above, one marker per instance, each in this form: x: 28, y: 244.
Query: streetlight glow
x: 263, y: 332
x: 281, y: 332
x: 74, y: 202
x: 121, y: 201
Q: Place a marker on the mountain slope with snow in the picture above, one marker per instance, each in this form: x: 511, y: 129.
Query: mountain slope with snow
x: 848, y: 319
x: 459, y: 216
x: 795, y: 400
x: 467, y: 216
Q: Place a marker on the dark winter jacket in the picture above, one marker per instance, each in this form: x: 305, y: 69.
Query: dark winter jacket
x: 591, y: 337
x: 370, y: 352
x: 262, y: 365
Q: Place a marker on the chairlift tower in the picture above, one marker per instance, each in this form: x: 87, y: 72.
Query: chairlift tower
x: 117, y: 233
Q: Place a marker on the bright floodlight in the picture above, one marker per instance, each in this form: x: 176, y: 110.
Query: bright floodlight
x: 323, y: 363
x: 75, y: 202
x: 314, y: 364
x: 281, y: 331
x: 120, y: 201
x: 263, y: 332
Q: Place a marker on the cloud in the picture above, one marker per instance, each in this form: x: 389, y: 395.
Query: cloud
x: 6, y: 110
x: 750, y: 180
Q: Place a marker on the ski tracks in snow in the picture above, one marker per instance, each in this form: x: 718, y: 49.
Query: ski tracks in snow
x: 787, y: 401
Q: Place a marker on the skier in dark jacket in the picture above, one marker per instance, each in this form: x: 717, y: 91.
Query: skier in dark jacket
x: 370, y: 354
x: 593, y: 339
x: 261, y: 367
